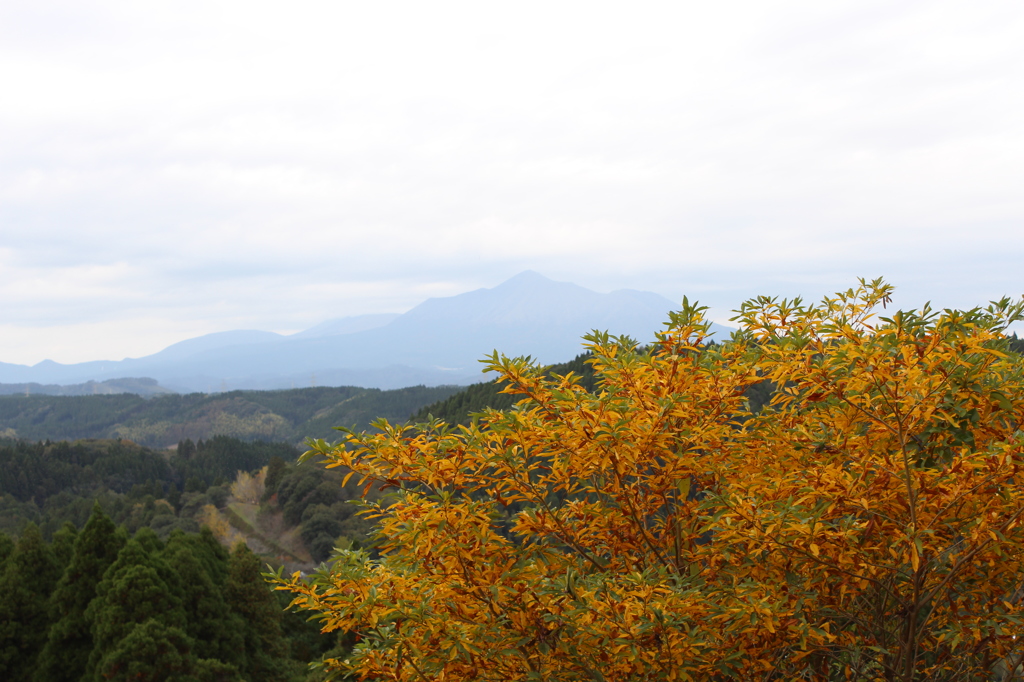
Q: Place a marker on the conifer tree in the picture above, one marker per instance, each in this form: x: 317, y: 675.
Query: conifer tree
x: 210, y: 553
x: 151, y: 651
x: 6, y: 549
x: 70, y: 642
x: 149, y: 540
x: 216, y: 631
x: 63, y: 544
x: 131, y: 593
x: 29, y: 576
x: 154, y: 652
x: 248, y: 596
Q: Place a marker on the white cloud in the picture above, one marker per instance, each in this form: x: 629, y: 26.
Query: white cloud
x: 172, y: 168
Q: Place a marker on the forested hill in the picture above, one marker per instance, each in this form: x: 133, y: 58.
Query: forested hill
x: 460, y: 407
x: 139, y: 386
x: 162, y: 421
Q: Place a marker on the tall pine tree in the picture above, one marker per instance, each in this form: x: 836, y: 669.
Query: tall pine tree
x: 63, y: 544
x: 6, y: 549
x: 248, y: 595
x: 155, y: 652
x: 70, y: 641
x: 215, y: 629
x: 132, y: 592
x: 30, y: 574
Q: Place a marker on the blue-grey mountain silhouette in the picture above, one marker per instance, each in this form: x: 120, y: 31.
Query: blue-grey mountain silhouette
x: 440, y: 341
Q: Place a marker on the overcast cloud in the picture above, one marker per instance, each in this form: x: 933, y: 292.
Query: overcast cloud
x: 169, y: 169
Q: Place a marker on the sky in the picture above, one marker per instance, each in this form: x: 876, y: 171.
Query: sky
x: 170, y: 169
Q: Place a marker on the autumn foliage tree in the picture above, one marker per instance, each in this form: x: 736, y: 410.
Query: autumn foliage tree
x: 866, y: 524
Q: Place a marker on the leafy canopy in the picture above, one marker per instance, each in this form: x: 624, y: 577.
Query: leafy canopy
x: 866, y: 524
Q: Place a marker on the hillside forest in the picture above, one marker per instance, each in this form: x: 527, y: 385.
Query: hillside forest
x: 129, y: 560
x: 164, y: 420
x: 120, y: 560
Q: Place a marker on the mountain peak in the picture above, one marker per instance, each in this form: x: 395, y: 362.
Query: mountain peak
x: 527, y: 314
x: 526, y: 276
x: 527, y: 279
x: 531, y: 282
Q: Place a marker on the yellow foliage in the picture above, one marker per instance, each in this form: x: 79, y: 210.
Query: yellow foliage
x: 210, y: 516
x: 866, y: 524
x: 248, y: 487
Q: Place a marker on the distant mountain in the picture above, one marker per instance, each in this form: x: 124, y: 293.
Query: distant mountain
x: 201, y: 344
x: 438, y: 342
x: 346, y: 325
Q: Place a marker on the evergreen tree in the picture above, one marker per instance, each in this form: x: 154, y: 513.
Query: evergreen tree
x: 29, y: 577
x: 249, y: 597
x: 70, y: 642
x: 132, y: 592
x: 276, y: 470
x: 186, y: 448
x: 63, y: 544
x: 150, y: 651
x: 216, y: 631
x: 155, y: 652
x: 210, y: 553
x: 6, y: 549
x: 149, y: 540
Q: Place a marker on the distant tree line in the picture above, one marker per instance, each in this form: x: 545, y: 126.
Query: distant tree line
x: 290, y: 415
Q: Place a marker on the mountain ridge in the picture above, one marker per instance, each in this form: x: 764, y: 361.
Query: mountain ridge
x: 438, y: 342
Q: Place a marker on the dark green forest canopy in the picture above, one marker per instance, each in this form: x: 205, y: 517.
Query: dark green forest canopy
x: 97, y: 604
x: 53, y: 483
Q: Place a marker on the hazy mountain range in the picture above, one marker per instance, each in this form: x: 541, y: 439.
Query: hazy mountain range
x: 440, y: 341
